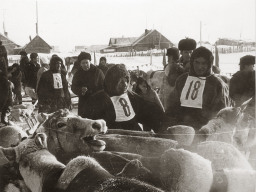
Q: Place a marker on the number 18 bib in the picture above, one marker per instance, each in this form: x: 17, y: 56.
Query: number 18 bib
x: 123, y: 108
x: 192, y: 92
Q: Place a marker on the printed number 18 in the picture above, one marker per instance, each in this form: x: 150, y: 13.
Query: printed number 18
x: 195, y: 90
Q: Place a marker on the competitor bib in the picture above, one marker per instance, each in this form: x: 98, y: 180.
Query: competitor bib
x: 192, y: 92
x: 57, y: 81
x: 123, y: 108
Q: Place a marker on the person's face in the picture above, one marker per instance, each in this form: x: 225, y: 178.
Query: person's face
x: 186, y: 54
x: 85, y: 64
x: 122, y: 86
x: 35, y: 59
x: 170, y: 59
x: 58, y: 66
x: 102, y: 62
x: 200, y: 66
x: 143, y: 87
x: 248, y: 68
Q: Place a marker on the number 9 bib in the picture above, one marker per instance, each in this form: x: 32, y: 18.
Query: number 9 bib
x: 192, y: 92
x: 123, y: 108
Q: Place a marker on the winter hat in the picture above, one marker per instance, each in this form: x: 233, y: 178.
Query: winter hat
x: 53, y: 62
x: 173, y: 52
x: 23, y: 53
x: 113, y: 75
x: 103, y: 58
x: 187, y: 44
x: 84, y: 55
x: 206, y: 54
x: 33, y: 55
x: 247, y: 60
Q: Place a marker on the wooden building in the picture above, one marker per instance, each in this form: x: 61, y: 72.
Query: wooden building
x: 150, y: 39
x: 36, y: 45
x: 9, y: 44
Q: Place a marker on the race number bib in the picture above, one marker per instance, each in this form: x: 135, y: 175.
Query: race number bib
x: 192, y: 92
x: 123, y: 108
x: 57, y: 81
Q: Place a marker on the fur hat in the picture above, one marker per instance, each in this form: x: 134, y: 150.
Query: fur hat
x: 187, y: 44
x: 113, y: 75
x: 173, y: 52
x: 206, y: 54
x: 23, y: 53
x: 33, y: 55
x: 247, y: 60
x: 84, y: 55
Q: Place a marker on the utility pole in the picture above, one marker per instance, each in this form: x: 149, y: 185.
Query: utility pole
x: 5, y: 33
x: 200, y: 33
x: 36, y: 19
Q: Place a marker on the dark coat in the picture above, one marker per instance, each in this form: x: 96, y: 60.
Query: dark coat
x: 92, y: 79
x: 31, y: 75
x: 50, y: 99
x: 5, y: 91
x: 24, y: 62
x: 147, y: 113
x: 242, y: 86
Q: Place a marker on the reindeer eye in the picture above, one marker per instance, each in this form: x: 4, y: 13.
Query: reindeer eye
x: 59, y: 125
x: 23, y: 138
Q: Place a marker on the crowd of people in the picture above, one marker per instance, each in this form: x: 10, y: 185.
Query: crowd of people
x: 105, y: 92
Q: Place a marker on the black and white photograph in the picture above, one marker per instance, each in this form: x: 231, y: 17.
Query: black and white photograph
x: 127, y: 96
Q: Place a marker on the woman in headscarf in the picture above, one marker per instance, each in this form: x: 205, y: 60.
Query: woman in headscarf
x: 53, y: 93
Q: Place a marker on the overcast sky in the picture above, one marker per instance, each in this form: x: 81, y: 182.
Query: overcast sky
x: 67, y: 23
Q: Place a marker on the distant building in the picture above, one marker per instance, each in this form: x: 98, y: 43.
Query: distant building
x: 80, y: 48
x: 36, y: 45
x: 55, y: 49
x: 226, y: 45
x: 9, y: 44
x: 150, y: 39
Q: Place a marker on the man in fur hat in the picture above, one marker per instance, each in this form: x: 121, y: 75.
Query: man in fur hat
x: 121, y: 108
x: 199, y: 94
x: 186, y: 47
x: 242, y: 83
x: 86, y: 81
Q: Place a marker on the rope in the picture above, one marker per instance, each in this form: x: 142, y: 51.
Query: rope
x: 179, y: 134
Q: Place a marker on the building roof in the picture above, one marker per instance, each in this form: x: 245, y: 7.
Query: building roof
x: 36, y: 39
x: 123, y: 41
x: 145, y: 34
x: 3, y: 38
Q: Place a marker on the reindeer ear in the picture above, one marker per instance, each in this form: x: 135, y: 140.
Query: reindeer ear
x: 41, y: 140
x: 41, y: 117
x: 7, y: 155
x: 245, y: 104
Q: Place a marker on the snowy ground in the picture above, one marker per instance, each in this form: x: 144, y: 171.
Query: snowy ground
x: 228, y: 62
